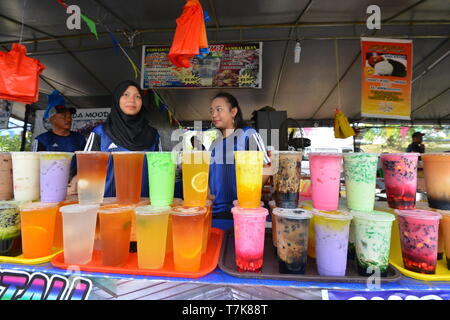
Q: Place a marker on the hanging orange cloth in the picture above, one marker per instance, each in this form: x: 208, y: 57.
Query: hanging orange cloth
x: 19, y: 75
x: 190, y: 35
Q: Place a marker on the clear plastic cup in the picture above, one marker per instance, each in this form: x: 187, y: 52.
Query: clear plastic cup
x: 26, y: 168
x: 54, y: 175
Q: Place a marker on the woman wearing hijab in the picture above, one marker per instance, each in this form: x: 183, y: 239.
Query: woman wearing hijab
x: 125, y: 129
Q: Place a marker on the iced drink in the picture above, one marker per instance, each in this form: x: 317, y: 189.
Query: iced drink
x: 249, y: 232
x: 26, y: 175
x: 54, y: 175
x: 6, y: 187
x: 418, y: 231
x: 249, y: 169
x: 360, y: 171
x: 273, y: 205
x: 91, y: 168
x: 151, y: 233
x: 58, y: 239
x: 437, y: 179
x: 400, y: 178
x: 161, y: 176
x: 115, y: 231
x: 207, y: 226
x: 325, y: 171
x: 187, y: 232
x: 292, y: 234
x: 10, y: 238
x: 195, y: 168
x: 287, y: 177
x: 331, y: 234
x: 445, y: 226
x: 79, y: 232
x: 372, y: 241
x: 128, y: 176
x: 38, y: 224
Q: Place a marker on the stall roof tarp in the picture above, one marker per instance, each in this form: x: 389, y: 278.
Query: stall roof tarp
x: 86, y: 70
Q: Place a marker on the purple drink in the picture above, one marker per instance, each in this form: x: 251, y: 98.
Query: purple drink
x: 54, y: 175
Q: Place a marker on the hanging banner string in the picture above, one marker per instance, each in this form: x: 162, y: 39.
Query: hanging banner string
x: 336, y: 53
x: 23, y: 21
x: 160, y: 101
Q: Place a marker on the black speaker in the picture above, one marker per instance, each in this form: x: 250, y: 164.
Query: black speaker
x: 269, y: 120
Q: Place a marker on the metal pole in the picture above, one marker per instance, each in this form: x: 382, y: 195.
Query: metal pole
x: 25, y: 127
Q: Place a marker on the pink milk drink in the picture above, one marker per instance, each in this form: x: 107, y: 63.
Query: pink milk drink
x: 325, y: 171
x: 249, y: 230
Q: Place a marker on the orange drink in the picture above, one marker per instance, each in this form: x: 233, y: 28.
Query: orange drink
x: 195, y: 168
x: 128, y: 176
x: 151, y: 233
x: 91, y: 168
x: 187, y: 232
x: 115, y: 231
x: 58, y: 234
x: 38, y: 224
x: 207, y: 226
x: 249, y: 169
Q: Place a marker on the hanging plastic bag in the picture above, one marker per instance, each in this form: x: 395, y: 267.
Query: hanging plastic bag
x: 342, y: 128
x: 190, y: 35
x: 19, y: 75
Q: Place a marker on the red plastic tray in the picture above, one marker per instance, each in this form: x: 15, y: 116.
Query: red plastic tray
x: 208, y: 264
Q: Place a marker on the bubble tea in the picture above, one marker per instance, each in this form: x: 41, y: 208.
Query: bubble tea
x: 437, y: 179
x: 6, y: 187
x: 287, y: 178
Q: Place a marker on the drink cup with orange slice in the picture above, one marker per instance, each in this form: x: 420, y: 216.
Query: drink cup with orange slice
x: 195, y: 166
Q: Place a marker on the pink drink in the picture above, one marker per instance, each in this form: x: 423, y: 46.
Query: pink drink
x: 325, y: 171
x: 249, y: 230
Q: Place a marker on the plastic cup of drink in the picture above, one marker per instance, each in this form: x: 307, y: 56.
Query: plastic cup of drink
x: 195, y: 167
x: 249, y: 232
x: 292, y: 234
x: 151, y: 233
x: 331, y: 234
x: 38, y: 225
x: 128, y: 176
x: 437, y: 179
x: 287, y: 177
x: 10, y: 238
x: 58, y: 238
x: 26, y: 175
x: 91, y: 168
x: 6, y: 176
x: 79, y: 232
x: 161, y: 176
x: 372, y: 241
x: 418, y: 231
x: 400, y: 178
x: 187, y: 232
x: 115, y: 232
x: 273, y: 205
x: 54, y: 175
x: 249, y: 170
x: 445, y: 227
x: 360, y: 171
x: 325, y: 179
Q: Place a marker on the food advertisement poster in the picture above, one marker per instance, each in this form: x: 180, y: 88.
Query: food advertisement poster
x: 386, y: 78
x: 225, y: 66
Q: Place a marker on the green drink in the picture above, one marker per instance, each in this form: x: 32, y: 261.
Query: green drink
x: 372, y: 241
x: 161, y: 177
x: 360, y: 180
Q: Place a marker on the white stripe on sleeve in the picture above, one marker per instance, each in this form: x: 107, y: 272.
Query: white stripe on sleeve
x: 160, y: 145
x: 34, y: 146
x: 89, y: 142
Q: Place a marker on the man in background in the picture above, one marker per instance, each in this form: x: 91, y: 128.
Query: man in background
x: 416, y: 145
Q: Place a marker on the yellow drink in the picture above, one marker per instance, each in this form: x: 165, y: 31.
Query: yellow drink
x: 195, y: 168
x: 249, y: 169
x: 151, y: 233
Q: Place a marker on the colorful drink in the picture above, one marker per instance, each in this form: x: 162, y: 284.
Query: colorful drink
x: 195, y: 167
x: 418, y: 231
x: 287, y: 178
x: 249, y: 169
x: 151, y: 233
x: 54, y: 175
x: 273, y: 205
x: 325, y: 179
x: 10, y: 238
x: 128, y: 176
x: 115, y: 231
x: 360, y: 171
x: 91, y: 176
x: 292, y: 234
x: 58, y: 239
x: 38, y: 224
x: 161, y: 176
x: 187, y: 229
x: 79, y: 232
x: 445, y: 226
x: 207, y: 226
x: 400, y: 178
x: 6, y: 187
x: 249, y: 231
x: 437, y: 179
x: 26, y: 176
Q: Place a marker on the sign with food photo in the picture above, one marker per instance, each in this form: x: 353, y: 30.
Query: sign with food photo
x: 225, y: 66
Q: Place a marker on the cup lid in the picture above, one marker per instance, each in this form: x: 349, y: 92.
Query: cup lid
x: 188, y: 211
x: 92, y: 152
x: 78, y: 208
x: 336, y: 215
x: 379, y: 216
x: 327, y: 154
x: 296, y: 213
x: 37, y: 205
x: 55, y: 152
x: 6, y: 206
x: 235, y: 203
x: 250, y: 211
x: 285, y: 152
x: 114, y: 208
x: 152, y: 210
x: 362, y: 154
x: 443, y: 212
x: 419, y: 214
x: 400, y: 154
x: 128, y: 152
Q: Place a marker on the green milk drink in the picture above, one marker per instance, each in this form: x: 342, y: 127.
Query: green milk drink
x: 161, y: 177
x: 360, y: 171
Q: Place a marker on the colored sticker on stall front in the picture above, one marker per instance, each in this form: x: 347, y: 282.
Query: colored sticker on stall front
x: 386, y: 295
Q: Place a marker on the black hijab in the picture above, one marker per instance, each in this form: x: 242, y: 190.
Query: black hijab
x: 131, y: 132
